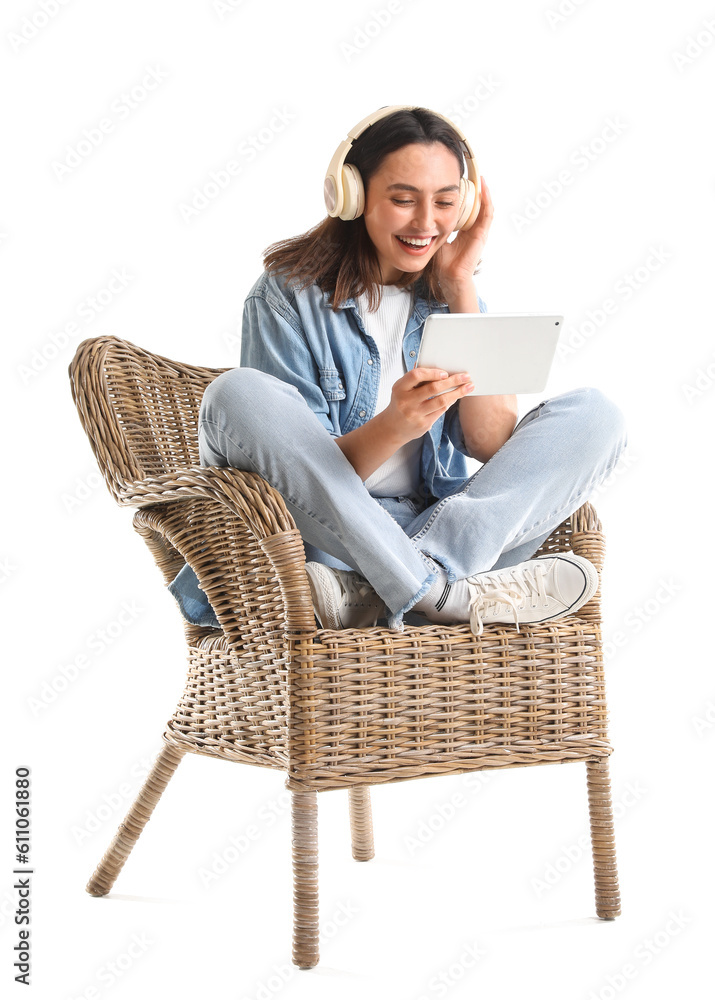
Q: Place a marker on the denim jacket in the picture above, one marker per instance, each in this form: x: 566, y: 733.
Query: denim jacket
x: 335, y: 365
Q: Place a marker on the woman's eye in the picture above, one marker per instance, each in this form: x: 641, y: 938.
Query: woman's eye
x: 408, y: 201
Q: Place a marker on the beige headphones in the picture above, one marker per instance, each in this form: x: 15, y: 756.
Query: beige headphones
x: 344, y: 191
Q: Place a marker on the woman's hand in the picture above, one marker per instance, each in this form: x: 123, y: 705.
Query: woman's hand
x: 456, y: 262
x: 410, y: 414
x: 419, y: 398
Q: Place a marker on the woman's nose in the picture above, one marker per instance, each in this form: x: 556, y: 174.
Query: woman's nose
x: 424, y: 217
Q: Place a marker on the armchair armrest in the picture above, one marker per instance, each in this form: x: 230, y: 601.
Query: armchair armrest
x: 246, y: 493
x: 235, y: 532
x: 582, y: 534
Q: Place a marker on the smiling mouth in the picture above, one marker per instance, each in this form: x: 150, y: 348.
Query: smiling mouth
x: 414, y: 245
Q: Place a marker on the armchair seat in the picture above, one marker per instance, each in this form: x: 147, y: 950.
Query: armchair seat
x: 426, y: 701
x: 331, y: 709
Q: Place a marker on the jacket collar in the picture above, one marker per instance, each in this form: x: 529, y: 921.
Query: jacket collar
x: 421, y: 308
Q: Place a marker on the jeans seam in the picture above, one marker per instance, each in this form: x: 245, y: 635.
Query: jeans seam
x: 536, y: 411
x: 440, y: 561
x: 441, y: 505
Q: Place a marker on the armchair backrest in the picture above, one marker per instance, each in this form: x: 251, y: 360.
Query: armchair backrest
x: 140, y: 410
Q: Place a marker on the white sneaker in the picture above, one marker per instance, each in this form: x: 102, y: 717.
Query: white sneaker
x: 342, y: 598
x: 533, y: 591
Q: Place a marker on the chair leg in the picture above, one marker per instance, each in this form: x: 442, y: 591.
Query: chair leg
x: 608, y: 897
x: 136, y: 819
x: 361, y: 823
x: 304, y: 824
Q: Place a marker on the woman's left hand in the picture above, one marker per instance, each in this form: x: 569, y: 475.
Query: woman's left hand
x: 457, y: 261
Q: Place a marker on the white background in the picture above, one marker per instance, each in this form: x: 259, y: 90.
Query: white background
x: 530, y: 88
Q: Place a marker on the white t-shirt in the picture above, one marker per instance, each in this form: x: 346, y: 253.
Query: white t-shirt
x: 399, y: 475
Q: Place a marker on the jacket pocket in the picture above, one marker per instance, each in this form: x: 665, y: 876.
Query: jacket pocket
x: 333, y: 387
x: 331, y: 382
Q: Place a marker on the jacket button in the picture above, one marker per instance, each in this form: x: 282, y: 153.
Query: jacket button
x: 370, y: 361
x: 362, y: 413
x: 340, y: 385
x: 412, y: 354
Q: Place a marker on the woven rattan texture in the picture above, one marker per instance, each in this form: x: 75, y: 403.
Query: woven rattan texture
x: 140, y: 410
x: 381, y: 706
x: 331, y: 709
x: 436, y: 700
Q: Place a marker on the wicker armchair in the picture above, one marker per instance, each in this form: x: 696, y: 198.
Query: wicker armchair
x: 333, y: 709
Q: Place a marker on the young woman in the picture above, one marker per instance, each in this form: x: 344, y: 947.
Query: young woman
x: 370, y: 452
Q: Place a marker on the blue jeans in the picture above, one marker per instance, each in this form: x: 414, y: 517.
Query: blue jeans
x: 557, y: 454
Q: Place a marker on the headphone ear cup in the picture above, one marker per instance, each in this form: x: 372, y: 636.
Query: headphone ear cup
x: 353, y: 192
x: 468, y: 194
x: 469, y: 207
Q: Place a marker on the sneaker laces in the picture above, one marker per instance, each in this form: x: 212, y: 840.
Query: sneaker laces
x: 356, y: 588
x: 489, y: 590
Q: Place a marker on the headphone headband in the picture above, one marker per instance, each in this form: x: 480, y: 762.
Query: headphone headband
x: 339, y: 175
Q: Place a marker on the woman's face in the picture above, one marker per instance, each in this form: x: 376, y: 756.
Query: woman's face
x: 413, y: 196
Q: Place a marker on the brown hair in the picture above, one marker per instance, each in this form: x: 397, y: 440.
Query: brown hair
x: 339, y: 255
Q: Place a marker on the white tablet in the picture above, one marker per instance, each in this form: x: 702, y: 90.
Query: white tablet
x: 503, y: 352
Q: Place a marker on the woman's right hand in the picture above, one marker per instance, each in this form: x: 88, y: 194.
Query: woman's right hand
x: 420, y: 397
x: 413, y: 408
